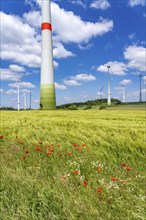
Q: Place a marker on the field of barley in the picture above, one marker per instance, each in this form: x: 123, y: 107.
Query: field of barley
x: 73, y: 165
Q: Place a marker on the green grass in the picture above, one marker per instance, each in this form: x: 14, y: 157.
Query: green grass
x: 40, y: 186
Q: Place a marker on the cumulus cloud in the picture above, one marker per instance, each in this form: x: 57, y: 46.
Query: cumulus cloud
x: 136, y: 55
x: 84, y: 77
x: 144, y: 78
x: 60, y: 52
x: 133, y: 3
x: 11, y: 91
x: 10, y: 75
x: 100, y: 4
x: 118, y: 68
x: 78, y: 2
x: 79, y: 79
x: 62, y: 18
x: 126, y: 82
x: 33, y: 18
x: 22, y: 85
x: 16, y: 68
x: 60, y: 86
x: 71, y: 82
x: 19, y: 42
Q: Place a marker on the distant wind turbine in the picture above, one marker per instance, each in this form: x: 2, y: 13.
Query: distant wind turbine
x: 140, y: 94
x: 100, y: 92
x: 18, y: 98
x: 124, y: 93
x: 24, y: 96
x: 109, y: 84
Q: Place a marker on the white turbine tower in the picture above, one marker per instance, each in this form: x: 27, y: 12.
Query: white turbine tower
x: 124, y: 99
x: 109, y: 86
x: 24, y: 96
x: 18, y: 98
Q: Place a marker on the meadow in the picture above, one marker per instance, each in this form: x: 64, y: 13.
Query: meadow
x: 73, y: 165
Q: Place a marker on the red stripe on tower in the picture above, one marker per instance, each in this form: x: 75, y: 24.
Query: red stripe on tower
x: 46, y: 26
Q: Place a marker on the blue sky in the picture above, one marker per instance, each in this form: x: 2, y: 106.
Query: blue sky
x: 87, y: 36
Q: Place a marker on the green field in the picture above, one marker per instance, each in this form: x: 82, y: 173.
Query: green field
x: 73, y: 165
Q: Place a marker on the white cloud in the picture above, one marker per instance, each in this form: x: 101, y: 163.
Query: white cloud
x: 118, y: 88
x: 71, y: 22
x: 118, y: 68
x: 76, y: 80
x: 60, y: 52
x: 100, y: 4
x: 11, y: 91
x: 144, y: 78
x: 9, y: 75
x: 71, y: 82
x: 60, y: 86
x: 19, y: 44
x: 1, y: 90
x: 133, y: 3
x: 126, y: 82
x: 132, y: 36
x: 56, y: 64
x: 84, y: 77
x: 33, y: 18
x: 22, y: 84
x: 136, y: 55
x: 85, y: 47
x: 16, y: 68
x: 78, y: 2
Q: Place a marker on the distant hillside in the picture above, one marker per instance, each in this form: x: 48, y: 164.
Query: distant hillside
x: 88, y: 104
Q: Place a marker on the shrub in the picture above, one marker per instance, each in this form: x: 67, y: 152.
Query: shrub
x: 72, y: 107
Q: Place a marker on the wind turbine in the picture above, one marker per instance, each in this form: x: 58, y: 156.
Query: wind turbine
x: 100, y: 92
x: 109, y: 86
x: 24, y: 95
x: 30, y: 99
x: 124, y: 93
x: 140, y: 94
x: 18, y: 98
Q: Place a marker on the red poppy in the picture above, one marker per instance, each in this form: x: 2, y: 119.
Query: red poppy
x: 123, y: 164
x: 36, y: 148
x: 1, y: 136
x: 75, y: 145
x: 99, y: 169
x: 58, y: 145
x: 27, y: 151
x: 20, y: 142
x: 123, y: 181
x: 41, y: 151
x: 48, y: 153
x: 114, y: 179
x: 24, y: 157
x: 76, y: 172
x: 83, y: 145
x: 69, y: 153
x: 128, y: 168
x: 99, y: 190
x: 85, y: 183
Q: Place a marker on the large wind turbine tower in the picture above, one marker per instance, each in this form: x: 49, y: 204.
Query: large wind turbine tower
x: 47, y: 87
